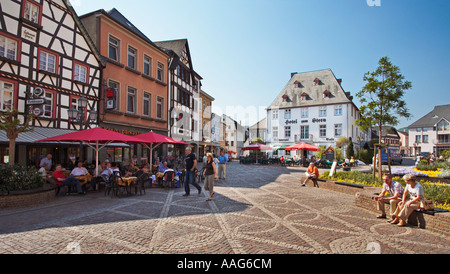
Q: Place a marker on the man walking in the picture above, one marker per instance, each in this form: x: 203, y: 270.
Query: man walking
x: 222, y: 165
x: 189, y: 178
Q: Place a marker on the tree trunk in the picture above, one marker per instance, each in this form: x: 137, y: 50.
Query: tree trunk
x: 12, y: 151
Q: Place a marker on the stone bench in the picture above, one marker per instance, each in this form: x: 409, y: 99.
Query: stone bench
x: 438, y: 222
x: 434, y: 221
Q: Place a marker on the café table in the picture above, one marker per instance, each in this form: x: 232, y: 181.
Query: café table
x: 128, y: 183
x: 84, y: 179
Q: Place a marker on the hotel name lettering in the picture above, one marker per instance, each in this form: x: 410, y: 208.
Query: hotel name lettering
x: 314, y: 120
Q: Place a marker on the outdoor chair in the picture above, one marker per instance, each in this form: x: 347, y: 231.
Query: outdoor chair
x: 115, y: 185
x: 169, y: 179
x: 142, y: 179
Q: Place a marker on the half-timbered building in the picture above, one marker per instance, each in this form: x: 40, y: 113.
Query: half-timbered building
x: 47, y: 64
x: 184, y: 86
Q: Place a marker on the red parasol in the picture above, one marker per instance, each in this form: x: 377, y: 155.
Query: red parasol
x: 152, y: 140
x: 302, y: 146
x: 99, y: 136
x: 257, y: 146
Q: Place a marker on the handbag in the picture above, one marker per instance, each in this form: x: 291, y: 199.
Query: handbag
x: 427, y: 205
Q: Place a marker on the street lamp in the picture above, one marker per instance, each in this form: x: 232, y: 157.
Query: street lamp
x: 77, y: 116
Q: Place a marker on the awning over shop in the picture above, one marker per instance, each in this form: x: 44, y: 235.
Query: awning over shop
x: 40, y: 133
x: 278, y: 147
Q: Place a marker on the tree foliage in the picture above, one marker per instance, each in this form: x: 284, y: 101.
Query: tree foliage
x: 382, y: 96
x: 12, y: 125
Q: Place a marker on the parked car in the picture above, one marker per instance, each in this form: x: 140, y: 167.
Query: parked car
x: 394, y: 154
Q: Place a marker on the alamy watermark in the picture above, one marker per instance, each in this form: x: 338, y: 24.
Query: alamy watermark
x: 373, y: 3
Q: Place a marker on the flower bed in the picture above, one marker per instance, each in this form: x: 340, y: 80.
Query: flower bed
x: 438, y: 192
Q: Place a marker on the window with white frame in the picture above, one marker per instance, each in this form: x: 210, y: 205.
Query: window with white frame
x: 338, y: 110
x: 147, y: 65
x: 323, y: 111
x: 287, y: 132
x: 114, y: 49
x: 160, y: 107
x: 80, y: 73
x: 418, y: 139
x: 304, y: 132
x: 31, y: 12
x: 275, y: 114
x: 425, y: 139
x: 323, y: 131
x: 160, y: 72
x: 275, y: 132
x: 305, y: 112
x: 75, y: 103
x: 132, y: 55
x: 47, y: 61
x: 287, y: 114
x: 48, y: 105
x: 338, y: 130
x: 147, y: 107
x: 131, y: 100
x: 8, y: 48
x: 6, y: 96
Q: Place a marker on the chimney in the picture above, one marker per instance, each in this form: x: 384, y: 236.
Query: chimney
x: 293, y: 73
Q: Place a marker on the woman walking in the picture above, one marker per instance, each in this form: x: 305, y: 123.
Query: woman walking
x: 210, y: 171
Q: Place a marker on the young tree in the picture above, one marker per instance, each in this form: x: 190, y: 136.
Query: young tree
x: 382, y: 98
x: 12, y: 126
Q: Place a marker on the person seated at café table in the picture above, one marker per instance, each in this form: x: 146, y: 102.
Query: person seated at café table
x: 132, y: 169
x: 169, y: 168
x: 61, y: 180
x: 162, y: 167
x: 98, y: 179
x: 115, y: 168
x: 79, y: 170
x: 107, y: 171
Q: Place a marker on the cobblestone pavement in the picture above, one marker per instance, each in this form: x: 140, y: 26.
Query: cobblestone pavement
x: 256, y: 210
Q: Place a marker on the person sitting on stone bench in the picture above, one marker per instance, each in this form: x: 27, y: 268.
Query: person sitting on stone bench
x: 312, y: 174
x: 405, y: 208
x: 70, y: 181
x: 395, y: 190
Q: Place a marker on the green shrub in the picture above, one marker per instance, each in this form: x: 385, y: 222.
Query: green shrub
x: 18, y: 178
x: 438, y: 192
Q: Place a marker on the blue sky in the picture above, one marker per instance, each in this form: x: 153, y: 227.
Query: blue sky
x: 246, y: 50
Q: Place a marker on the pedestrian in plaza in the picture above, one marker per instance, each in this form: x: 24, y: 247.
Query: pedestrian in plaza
x: 395, y: 190
x: 312, y: 174
x: 222, y: 165
x: 191, y: 163
x: 415, y: 192
x: 210, y: 174
x: 61, y: 180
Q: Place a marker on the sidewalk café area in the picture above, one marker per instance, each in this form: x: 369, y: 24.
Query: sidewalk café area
x: 117, y: 178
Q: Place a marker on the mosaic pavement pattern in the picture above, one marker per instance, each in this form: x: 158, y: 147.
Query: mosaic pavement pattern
x: 256, y: 210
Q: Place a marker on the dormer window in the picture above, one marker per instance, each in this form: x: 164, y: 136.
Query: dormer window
x: 297, y: 84
x: 326, y: 94
x: 285, y: 98
x: 317, y: 82
x: 304, y: 96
